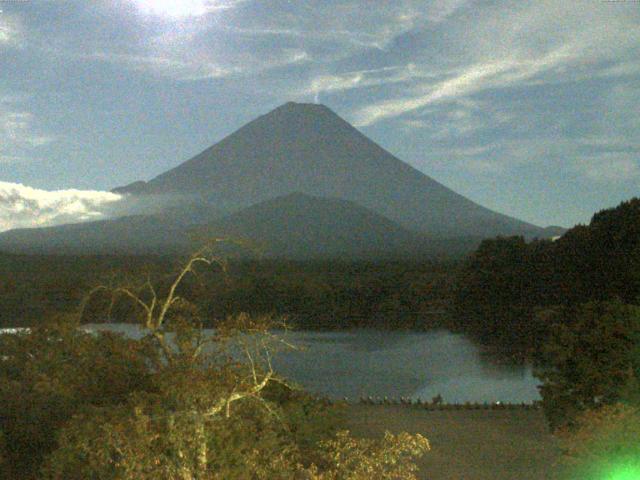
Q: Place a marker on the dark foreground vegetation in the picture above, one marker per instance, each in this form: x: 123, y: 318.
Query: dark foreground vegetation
x: 78, y: 405
x: 509, y: 292
x: 172, y: 405
x: 312, y: 294
x: 572, y: 304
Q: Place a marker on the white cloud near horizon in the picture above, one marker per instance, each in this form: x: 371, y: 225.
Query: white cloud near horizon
x: 24, y: 207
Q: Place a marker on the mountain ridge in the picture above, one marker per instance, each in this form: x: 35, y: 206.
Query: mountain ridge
x: 296, y: 173
x: 309, y: 148
x: 301, y: 226
x: 295, y: 226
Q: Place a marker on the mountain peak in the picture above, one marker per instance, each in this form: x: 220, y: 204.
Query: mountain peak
x: 302, y: 106
x: 305, y: 110
x: 308, y: 148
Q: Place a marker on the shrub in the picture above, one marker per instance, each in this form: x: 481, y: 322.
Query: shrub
x: 347, y: 458
x: 49, y: 373
x: 591, y: 359
x: 603, y: 444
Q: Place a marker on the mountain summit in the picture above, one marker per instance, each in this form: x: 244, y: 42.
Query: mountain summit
x: 307, y: 148
x: 300, y: 180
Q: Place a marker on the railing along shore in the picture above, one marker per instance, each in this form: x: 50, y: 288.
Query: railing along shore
x: 433, y: 406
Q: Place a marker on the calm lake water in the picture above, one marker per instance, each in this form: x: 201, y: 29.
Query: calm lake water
x: 395, y: 364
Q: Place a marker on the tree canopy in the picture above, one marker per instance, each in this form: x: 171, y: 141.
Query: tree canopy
x: 506, y: 282
x: 174, y: 404
x: 592, y: 359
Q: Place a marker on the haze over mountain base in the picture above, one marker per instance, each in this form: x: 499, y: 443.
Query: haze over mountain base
x: 300, y: 181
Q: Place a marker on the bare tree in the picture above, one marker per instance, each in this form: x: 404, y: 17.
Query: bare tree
x: 251, y: 336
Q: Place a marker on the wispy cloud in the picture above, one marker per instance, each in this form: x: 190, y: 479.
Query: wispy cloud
x: 337, y: 30
x: 524, y: 44
x: 365, y: 78
x: 618, y: 167
x: 347, y: 26
x: 18, y: 135
x: 198, y: 67
x: 165, y: 65
x: 456, y: 120
x: 472, y: 79
x: 23, y: 206
x: 211, y: 39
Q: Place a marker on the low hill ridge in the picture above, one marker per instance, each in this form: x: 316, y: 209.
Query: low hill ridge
x: 302, y: 226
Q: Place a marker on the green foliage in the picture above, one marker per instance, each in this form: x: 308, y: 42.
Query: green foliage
x: 507, y: 280
x: 600, y: 261
x: 178, y: 431
x: 49, y: 373
x: 161, y: 437
x: 391, y: 458
x: 604, y: 444
x: 330, y: 295
x: 309, y: 421
x: 406, y: 294
x: 591, y: 359
x: 3, y: 455
x: 33, y: 287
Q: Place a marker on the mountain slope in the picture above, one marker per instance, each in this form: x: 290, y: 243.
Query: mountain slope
x: 301, y: 226
x: 131, y: 235
x: 295, y: 226
x: 307, y: 148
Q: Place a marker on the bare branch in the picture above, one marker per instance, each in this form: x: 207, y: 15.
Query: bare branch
x: 133, y: 296
x: 251, y: 362
x: 172, y: 290
x: 225, y: 403
x: 87, y: 298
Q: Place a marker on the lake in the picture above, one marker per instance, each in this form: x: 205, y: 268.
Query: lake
x: 417, y: 365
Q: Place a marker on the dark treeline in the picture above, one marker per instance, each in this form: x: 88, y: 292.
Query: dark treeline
x: 508, y: 288
x: 34, y: 286
x: 337, y: 294
x: 311, y: 294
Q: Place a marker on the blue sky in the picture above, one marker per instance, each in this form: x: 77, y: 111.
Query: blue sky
x: 529, y: 108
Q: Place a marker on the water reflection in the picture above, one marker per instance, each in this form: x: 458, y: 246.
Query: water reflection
x: 394, y: 364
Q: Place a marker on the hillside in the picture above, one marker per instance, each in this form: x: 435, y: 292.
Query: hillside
x: 296, y: 226
x: 308, y: 148
x: 300, y: 226
x: 126, y: 235
x: 301, y: 181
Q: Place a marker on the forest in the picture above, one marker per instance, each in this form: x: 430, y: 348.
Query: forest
x: 331, y: 294
x: 81, y: 405
x: 510, y: 292
x: 573, y: 305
